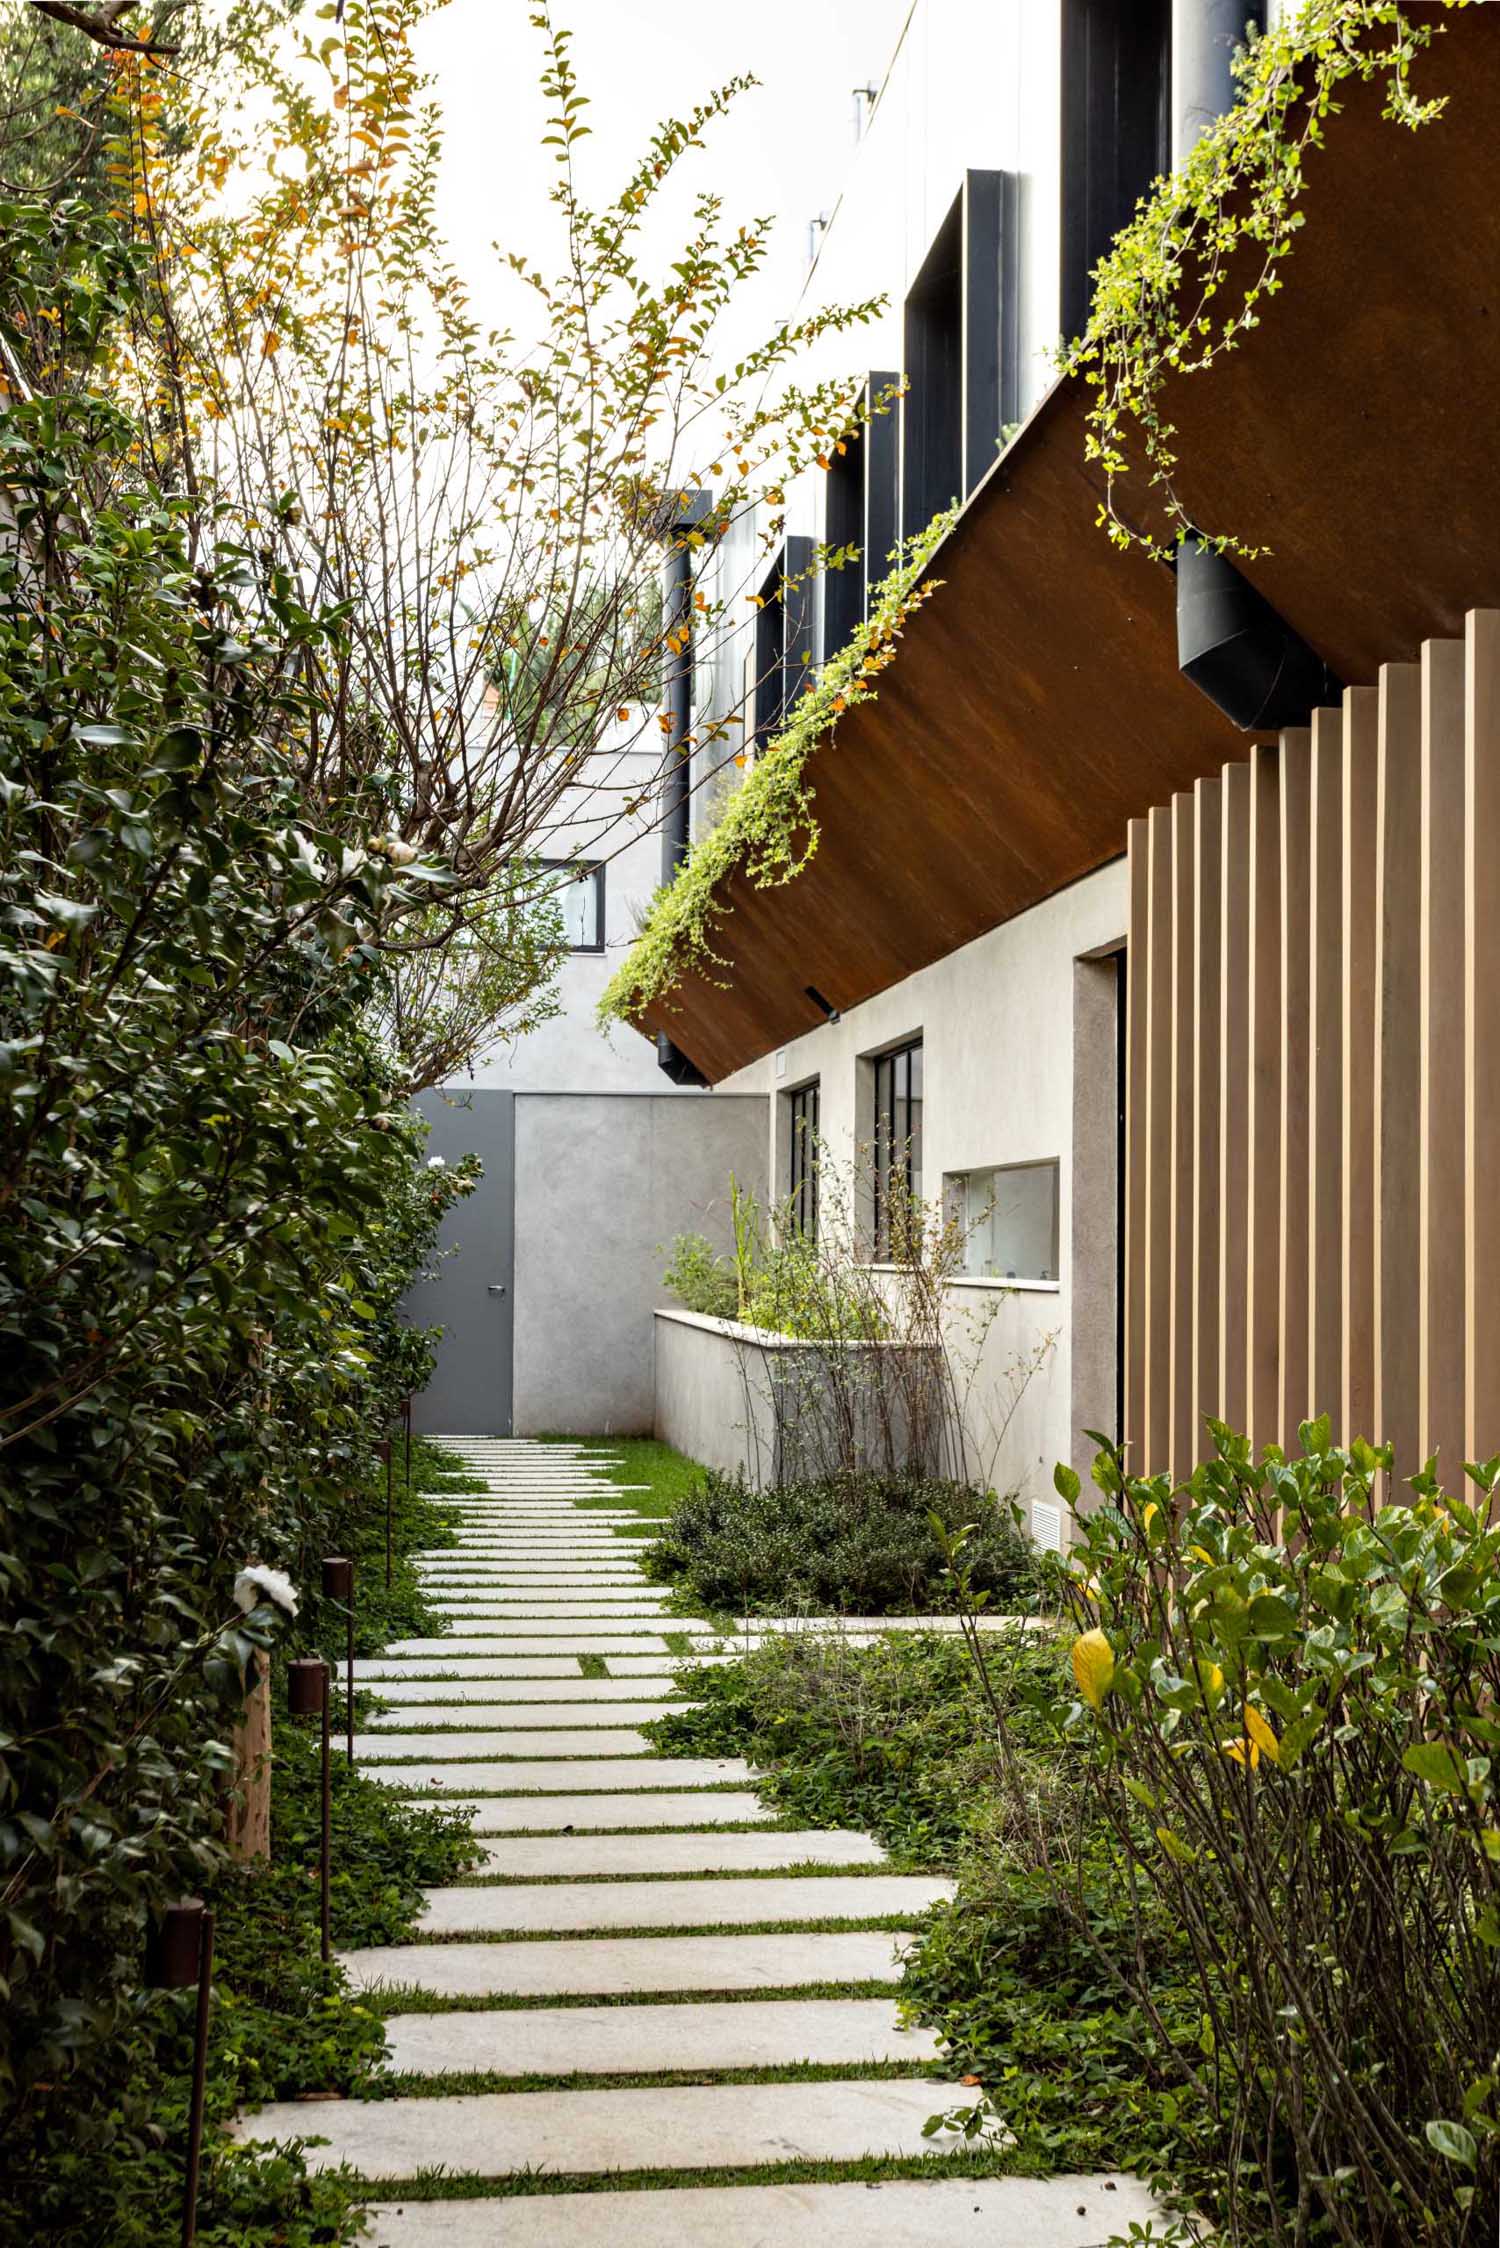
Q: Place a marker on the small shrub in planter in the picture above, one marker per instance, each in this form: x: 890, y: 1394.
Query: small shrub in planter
x: 857, y: 1544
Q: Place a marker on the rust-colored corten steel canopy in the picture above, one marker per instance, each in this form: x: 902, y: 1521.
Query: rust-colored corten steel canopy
x: 1036, y: 704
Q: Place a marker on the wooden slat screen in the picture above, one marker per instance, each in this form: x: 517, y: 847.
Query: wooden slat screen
x: 1313, y: 1064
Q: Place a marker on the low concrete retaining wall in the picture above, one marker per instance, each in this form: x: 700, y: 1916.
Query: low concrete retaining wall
x: 773, y: 1407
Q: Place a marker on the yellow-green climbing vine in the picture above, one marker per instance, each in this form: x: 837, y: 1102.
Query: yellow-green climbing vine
x: 769, y: 829
x: 1169, y: 298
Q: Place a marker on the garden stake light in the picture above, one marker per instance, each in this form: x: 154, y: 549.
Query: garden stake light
x: 338, y: 1585
x: 384, y: 1449
x: 406, y: 1409
x: 179, y: 1953
x: 307, y: 1695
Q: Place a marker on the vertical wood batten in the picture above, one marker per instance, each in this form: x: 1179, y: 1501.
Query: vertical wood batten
x: 1292, y: 1251
x: 1398, y: 1063
x: 1325, y: 1013
x: 1482, y: 1033
x: 1234, y: 1101
x: 1137, y: 1142
x: 1208, y: 889
x: 1263, y: 1088
x: 1440, y: 1275
x: 1157, y: 1424
x: 1361, y: 987
x: 1182, y: 1414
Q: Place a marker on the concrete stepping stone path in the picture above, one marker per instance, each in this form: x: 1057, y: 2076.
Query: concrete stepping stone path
x: 633, y: 1915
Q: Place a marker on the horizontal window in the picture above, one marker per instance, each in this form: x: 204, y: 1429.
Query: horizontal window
x: 578, y: 892
x: 1008, y: 1217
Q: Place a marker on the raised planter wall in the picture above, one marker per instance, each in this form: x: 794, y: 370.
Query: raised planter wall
x: 770, y: 1407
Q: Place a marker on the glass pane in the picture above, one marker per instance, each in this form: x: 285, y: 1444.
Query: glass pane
x: 1010, y: 1220
x: 576, y: 896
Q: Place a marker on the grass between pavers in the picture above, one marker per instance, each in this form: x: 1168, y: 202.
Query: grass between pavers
x: 666, y: 1473
x: 449, y: 2083
x: 804, y: 1869
x: 386, y: 1999
x: 440, y: 2185
x: 845, y: 1924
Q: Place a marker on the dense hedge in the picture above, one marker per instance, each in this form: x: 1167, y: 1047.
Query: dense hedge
x: 852, y: 1545
x: 212, y: 1195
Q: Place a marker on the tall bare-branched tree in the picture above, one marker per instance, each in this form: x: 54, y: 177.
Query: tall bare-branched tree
x: 488, y: 510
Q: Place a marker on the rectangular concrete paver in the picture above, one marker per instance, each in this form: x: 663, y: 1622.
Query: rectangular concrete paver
x: 622, y: 1966
x: 674, y: 2127
x: 582, y: 1907
x: 578, y: 1775
x: 629, y: 2040
x: 377, y: 1748
x: 605, y: 1814
x: 544, y: 1856
x: 1069, y: 2212
x: 565, y: 1642
x: 538, y: 1716
x: 435, y: 1657
x: 466, y: 1688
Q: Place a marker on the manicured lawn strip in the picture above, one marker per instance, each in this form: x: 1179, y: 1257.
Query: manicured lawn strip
x: 668, y: 1474
x: 453, y: 2185
x: 895, y: 1923
x: 808, y: 1869
x: 789, y: 2072
x: 405, y: 1998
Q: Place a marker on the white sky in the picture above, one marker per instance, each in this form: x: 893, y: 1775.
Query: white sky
x: 784, y: 151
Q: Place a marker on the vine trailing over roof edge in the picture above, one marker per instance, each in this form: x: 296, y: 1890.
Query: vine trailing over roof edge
x: 1165, y: 300
x: 768, y: 829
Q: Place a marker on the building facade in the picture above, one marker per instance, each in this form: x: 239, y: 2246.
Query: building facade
x: 1184, y: 999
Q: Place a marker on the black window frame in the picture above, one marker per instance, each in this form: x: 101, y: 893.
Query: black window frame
x: 804, y: 1104
x: 1116, y: 131
x: 583, y: 870
x: 782, y: 647
x: 861, y: 508
x: 894, y: 1150
x: 961, y: 348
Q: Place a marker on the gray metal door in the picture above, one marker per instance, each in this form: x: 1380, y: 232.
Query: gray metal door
x: 470, y: 1291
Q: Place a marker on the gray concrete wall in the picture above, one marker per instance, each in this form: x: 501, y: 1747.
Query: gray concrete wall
x: 603, y: 1184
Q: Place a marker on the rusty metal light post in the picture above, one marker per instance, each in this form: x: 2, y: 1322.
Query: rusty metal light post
x: 338, y: 1585
x: 307, y: 1695
x: 406, y: 1412
x: 179, y: 1953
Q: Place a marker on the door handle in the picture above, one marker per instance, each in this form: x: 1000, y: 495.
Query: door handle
x: 497, y: 1288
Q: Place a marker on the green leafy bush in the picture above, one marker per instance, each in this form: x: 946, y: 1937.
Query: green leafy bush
x: 861, y: 1544
x: 1289, y: 1679
x: 214, y: 1193
x: 701, y: 1279
x: 903, y: 1740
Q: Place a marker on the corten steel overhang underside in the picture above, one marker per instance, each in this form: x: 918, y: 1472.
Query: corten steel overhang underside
x: 1035, y: 705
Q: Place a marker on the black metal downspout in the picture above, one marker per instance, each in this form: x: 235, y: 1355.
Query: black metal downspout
x: 1230, y: 641
x: 677, y: 705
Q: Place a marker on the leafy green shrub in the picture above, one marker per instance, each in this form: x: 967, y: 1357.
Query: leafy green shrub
x: 859, y: 1544
x: 900, y: 1739
x: 700, y: 1279
x: 215, y: 1196
x: 109, y: 2170
x: 1289, y: 1679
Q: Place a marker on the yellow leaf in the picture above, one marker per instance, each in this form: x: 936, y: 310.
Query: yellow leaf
x: 1258, y: 1731
x: 1176, y: 1850
x: 1093, y: 1667
x: 1148, y: 1515
x: 1241, y: 1752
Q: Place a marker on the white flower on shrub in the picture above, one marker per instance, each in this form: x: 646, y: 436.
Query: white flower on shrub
x: 436, y: 1163
x: 257, y: 1584
x: 394, y: 849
